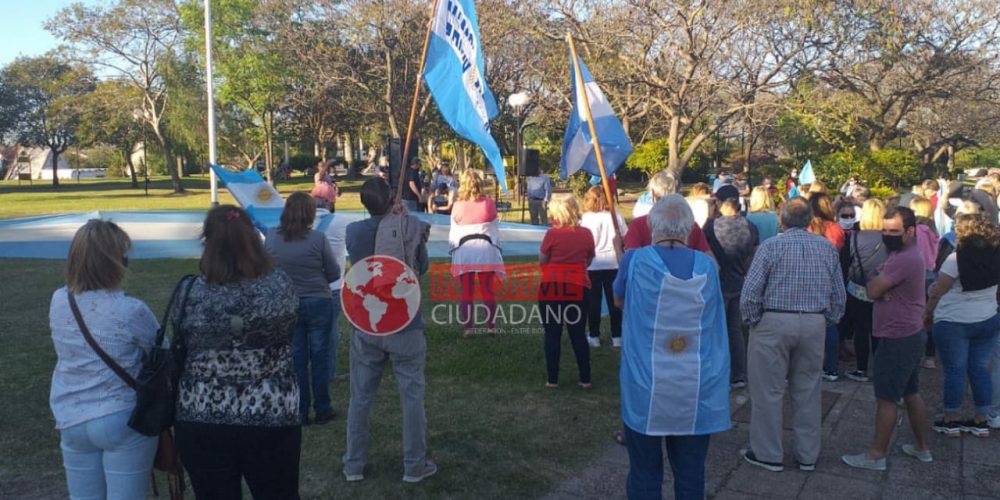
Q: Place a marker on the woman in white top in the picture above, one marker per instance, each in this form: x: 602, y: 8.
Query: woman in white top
x: 604, y: 268
x: 699, y: 199
x: 103, y: 456
x: 963, y: 308
x: 474, y: 239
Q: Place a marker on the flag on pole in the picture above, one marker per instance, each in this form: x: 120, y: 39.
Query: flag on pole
x: 578, y: 150
x: 455, y: 76
x: 249, y: 189
x: 806, y: 176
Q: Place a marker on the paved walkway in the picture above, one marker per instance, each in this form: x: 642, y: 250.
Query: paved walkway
x: 966, y: 468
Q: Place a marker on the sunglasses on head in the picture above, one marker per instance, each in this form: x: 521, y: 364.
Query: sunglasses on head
x: 846, y: 216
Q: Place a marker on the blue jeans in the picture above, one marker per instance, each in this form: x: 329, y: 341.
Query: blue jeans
x: 687, y: 463
x: 966, y: 348
x: 311, y: 346
x: 412, y: 206
x: 105, y: 458
x: 334, y: 334
x: 831, y: 351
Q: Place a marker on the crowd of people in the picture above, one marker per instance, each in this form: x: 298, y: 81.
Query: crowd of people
x: 732, y: 287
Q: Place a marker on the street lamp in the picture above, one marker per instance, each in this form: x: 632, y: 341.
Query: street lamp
x: 519, y: 101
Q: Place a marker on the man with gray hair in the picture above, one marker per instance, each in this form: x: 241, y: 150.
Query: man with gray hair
x: 639, y: 234
x: 792, y: 291
x: 675, y: 356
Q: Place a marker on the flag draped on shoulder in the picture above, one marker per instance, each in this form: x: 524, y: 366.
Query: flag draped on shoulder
x: 578, y: 151
x: 455, y: 77
x: 806, y: 176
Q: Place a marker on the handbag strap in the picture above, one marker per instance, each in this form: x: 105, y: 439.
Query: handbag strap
x: 186, y: 283
x: 108, y: 360
x: 857, y: 256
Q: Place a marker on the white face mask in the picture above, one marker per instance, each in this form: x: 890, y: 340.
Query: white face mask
x: 846, y: 223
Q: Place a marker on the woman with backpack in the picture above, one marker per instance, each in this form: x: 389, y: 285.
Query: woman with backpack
x: 103, y: 456
x: 238, y: 402
x: 861, y: 255
x: 474, y: 239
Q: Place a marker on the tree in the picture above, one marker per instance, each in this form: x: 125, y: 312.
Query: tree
x: 133, y: 39
x: 895, y: 55
x: 111, y: 115
x: 49, y: 93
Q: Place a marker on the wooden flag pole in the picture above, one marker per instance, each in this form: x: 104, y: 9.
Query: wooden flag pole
x: 404, y: 166
x: 585, y: 104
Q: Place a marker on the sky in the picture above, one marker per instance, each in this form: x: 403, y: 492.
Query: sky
x: 22, y: 33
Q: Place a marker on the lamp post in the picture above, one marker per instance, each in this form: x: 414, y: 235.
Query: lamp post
x: 519, y: 101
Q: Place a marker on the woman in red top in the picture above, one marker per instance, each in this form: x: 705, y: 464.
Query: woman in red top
x: 567, y: 250
x: 824, y: 221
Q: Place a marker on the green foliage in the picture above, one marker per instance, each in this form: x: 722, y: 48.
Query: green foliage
x: 578, y: 183
x: 302, y: 162
x: 888, y: 167
x: 650, y: 157
x: 988, y: 157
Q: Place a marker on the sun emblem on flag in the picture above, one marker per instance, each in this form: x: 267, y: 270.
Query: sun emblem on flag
x: 677, y: 344
x: 264, y: 194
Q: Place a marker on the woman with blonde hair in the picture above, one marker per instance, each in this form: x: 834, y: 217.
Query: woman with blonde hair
x: 962, y: 307
x: 604, y: 268
x: 762, y: 213
x: 238, y: 399
x: 567, y: 250
x: 861, y: 256
x: 103, y: 456
x: 304, y: 254
x: 474, y: 239
x: 698, y: 198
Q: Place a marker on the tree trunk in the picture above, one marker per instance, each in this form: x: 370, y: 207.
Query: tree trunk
x: 127, y: 152
x: 348, y: 150
x: 55, y: 166
x: 180, y: 166
x: 168, y: 156
x: 268, y: 133
x: 951, y: 158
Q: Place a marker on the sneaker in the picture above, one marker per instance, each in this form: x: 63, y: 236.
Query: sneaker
x: 807, y: 467
x: 929, y: 364
x: 978, y: 429
x: 950, y: 429
x: 353, y: 478
x: 858, y: 376
x: 594, y: 341
x: 993, y: 421
x: 428, y: 470
x: 831, y: 376
x: 922, y: 455
x: 616, y: 342
x: 739, y: 384
x: 748, y: 455
x: 861, y: 461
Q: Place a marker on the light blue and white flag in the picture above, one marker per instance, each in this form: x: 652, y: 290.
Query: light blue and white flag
x: 455, y: 76
x: 249, y: 189
x: 578, y: 151
x: 806, y: 176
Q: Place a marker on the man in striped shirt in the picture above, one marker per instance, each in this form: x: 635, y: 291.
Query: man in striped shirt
x: 792, y: 291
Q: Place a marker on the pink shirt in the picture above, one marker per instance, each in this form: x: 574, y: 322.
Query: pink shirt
x: 927, y: 241
x: 474, y: 212
x: 900, y: 313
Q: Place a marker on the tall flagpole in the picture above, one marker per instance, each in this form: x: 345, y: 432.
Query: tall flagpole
x: 584, y: 100
x: 210, y: 84
x: 413, y: 107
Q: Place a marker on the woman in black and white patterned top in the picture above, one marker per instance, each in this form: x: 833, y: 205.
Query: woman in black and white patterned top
x: 238, y: 413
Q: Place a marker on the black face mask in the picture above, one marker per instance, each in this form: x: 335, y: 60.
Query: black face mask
x: 893, y: 243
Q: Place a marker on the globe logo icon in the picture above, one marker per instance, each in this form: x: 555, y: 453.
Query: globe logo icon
x: 381, y: 295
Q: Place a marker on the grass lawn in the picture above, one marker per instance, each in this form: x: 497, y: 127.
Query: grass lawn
x: 39, y: 198
x: 492, y: 427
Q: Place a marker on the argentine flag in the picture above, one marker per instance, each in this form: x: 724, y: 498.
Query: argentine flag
x: 249, y: 189
x: 578, y: 149
x: 455, y: 76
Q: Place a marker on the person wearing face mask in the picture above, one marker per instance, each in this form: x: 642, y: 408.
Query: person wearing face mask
x: 861, y: 256
x: 899, y: 299
x: 847, y: 215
